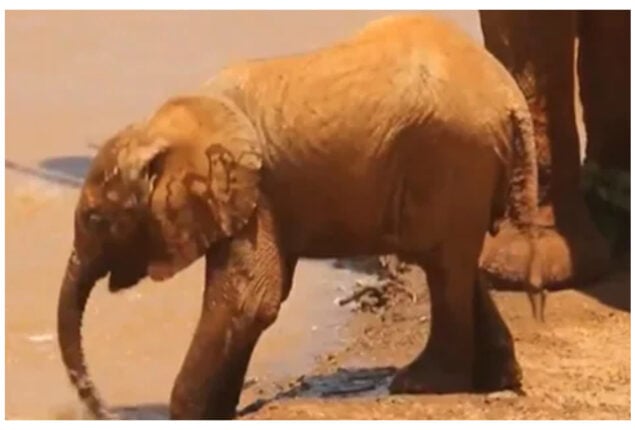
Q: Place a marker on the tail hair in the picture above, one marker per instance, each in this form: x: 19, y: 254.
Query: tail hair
x: 523, y: 196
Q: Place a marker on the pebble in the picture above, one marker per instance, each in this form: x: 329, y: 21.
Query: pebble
x: 44, y: 337
x: 502, y: 395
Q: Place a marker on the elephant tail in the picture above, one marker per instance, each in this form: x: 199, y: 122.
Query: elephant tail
x: 503, y: 258
x: 523, y: 203
x: 523, y: 195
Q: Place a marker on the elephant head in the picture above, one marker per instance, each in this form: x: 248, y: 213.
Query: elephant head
x: 157, y: 196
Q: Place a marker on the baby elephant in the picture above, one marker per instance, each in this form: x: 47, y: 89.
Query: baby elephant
x: 407, y: 139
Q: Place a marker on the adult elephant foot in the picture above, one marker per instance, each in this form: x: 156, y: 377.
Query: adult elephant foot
x: 571, y: 250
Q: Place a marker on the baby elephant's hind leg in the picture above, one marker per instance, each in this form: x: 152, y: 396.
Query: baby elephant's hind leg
x: 495, y: 365
x: 446, y: 363
x: 469, y: 347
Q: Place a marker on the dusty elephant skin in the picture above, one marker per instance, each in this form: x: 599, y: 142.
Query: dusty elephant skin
x: 408, y: 138
x: 538, y: 48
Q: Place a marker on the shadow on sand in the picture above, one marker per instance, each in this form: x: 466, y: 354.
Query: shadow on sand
x: 151, y: 411
x: 613, y: 289
x: 351, y: 382
x: 67, y: 171
x: 344, y: 382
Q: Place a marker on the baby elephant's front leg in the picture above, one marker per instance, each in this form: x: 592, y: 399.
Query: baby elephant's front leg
x: 245, y: 281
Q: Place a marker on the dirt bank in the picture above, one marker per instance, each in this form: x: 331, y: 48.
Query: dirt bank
x: 576, y: 365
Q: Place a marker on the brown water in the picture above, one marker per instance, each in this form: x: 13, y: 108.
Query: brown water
x: 72, y: 79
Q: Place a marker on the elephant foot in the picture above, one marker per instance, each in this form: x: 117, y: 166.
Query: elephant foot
x: 211, y: 378
x: 567, y: 254
x: 495, y: 364
x: 429, y: 376
x: 220, y: 411
x: 495, y: 367
x: 497, y: 375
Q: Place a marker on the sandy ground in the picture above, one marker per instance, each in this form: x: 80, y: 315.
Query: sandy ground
x: 575, y: 366
x: 72, y: 79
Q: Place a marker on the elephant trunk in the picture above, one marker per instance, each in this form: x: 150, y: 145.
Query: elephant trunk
x: 78, y: 282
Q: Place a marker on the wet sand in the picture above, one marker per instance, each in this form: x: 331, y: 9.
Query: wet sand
x: 72, y: 79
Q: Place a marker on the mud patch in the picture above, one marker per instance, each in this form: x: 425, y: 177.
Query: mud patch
x: 342, y: 383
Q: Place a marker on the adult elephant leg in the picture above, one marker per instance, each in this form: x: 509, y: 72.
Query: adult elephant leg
x: 246, y: 279
x: 537, y: 47
x: 605, y: 74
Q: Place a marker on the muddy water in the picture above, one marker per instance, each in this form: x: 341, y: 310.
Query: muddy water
x: 72, y: 79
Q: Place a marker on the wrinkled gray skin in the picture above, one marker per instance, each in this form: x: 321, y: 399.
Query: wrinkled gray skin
x: 408, y: 138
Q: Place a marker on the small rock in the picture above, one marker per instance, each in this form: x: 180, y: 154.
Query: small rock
x: 134, y: 295
x: 44, y: 337
x: 502, y: 395
x: 249, y: 382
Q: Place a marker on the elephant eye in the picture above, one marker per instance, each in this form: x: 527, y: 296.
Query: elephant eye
x: 94, y: 219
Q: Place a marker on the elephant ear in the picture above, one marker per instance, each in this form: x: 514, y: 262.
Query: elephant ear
x: 201, y: 194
